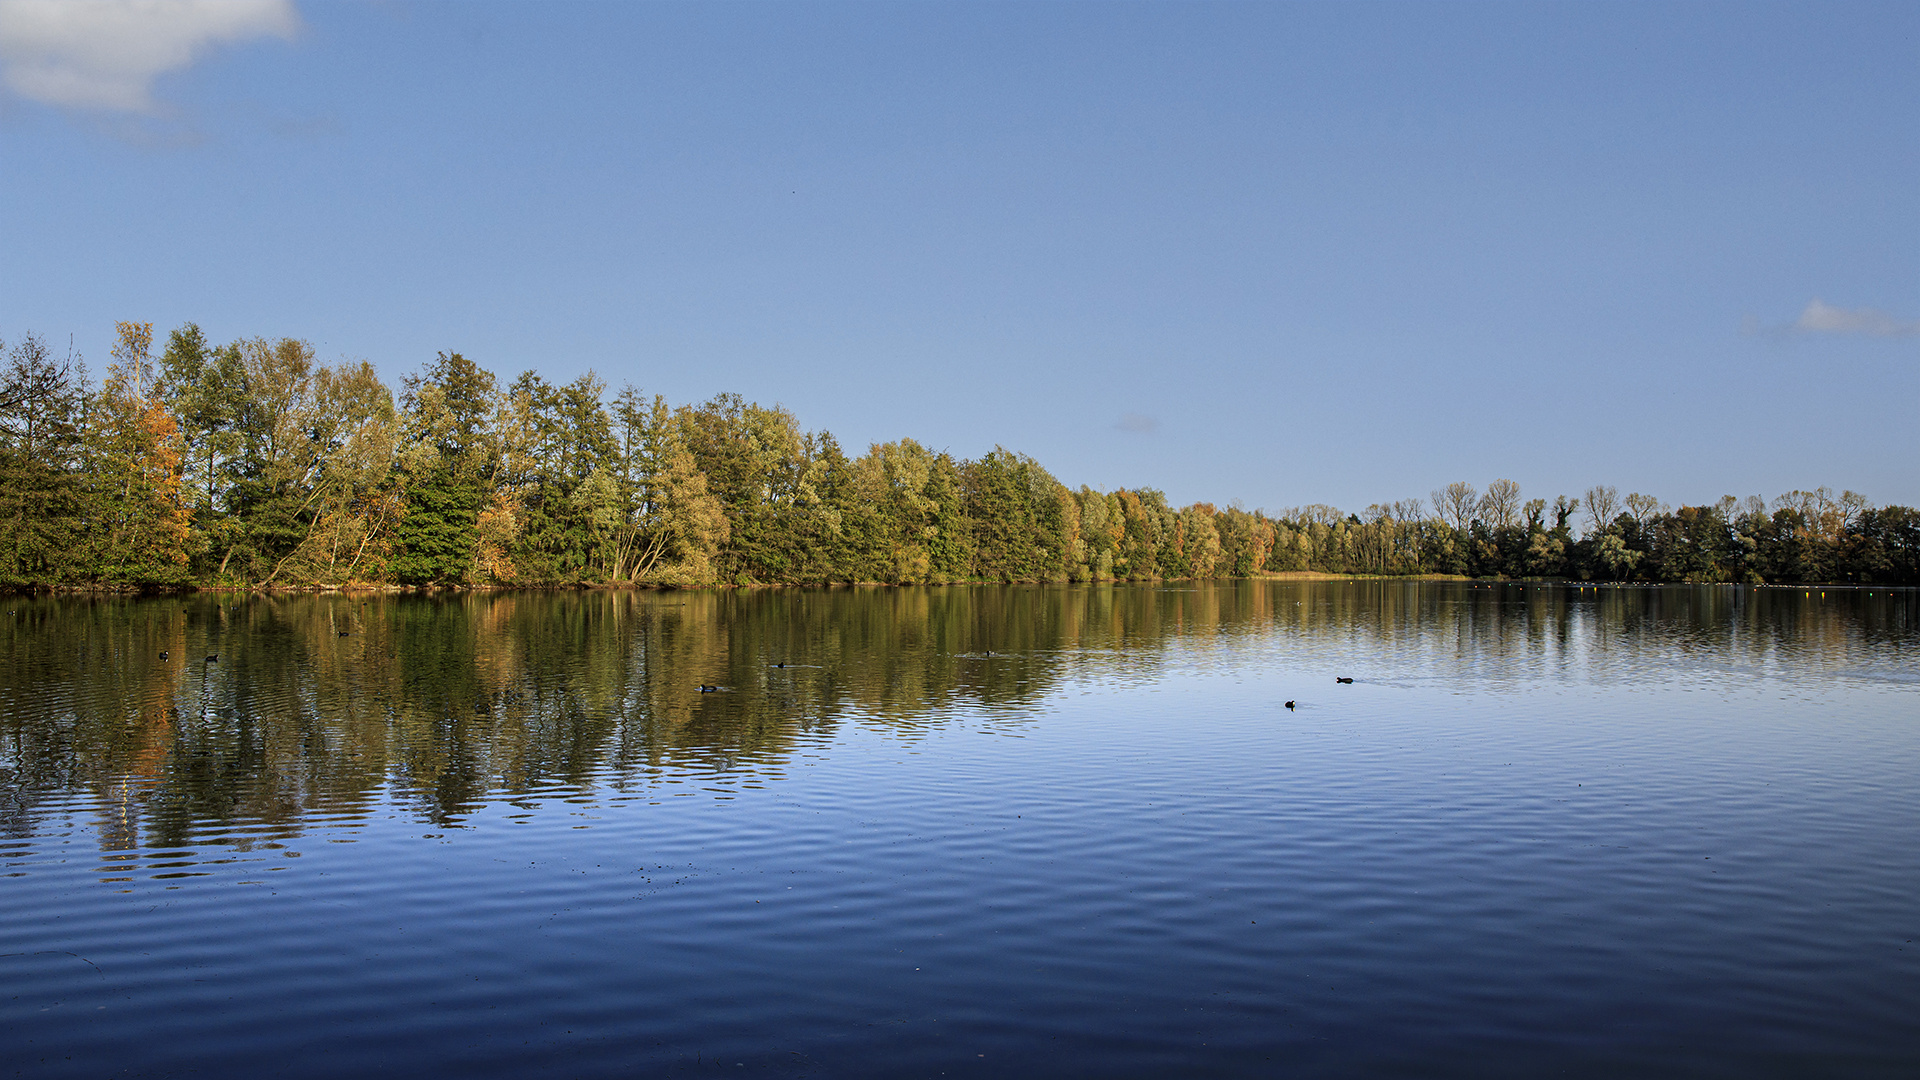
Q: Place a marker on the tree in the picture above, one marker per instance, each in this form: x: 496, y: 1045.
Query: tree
x: 1890, y: 545
x: 1003, y: 527
x: 1246, y: 542
x: 1019, y: 519
x: 314, y: 442
x: 41, y: 405
x: 1500, y: 506
x: 270, y: 468
x: 1144, y: 522
x: 950, y: 544
x: 449, y: 458
x: 554, y: 441
x: 892, y: 481
x: 757, y: 463
x: 1456, y: 503
x: 205, y: 387
x: 350, y: 503
x: 1199, y: 542
x: 139, y: 523
x: 275, y: 466
x: 1603, y: 505
x: 1614, y: 557
x: 1693, y: 544
x: 688, y: 524
x: 838, y: 536
x: 1643, y: 508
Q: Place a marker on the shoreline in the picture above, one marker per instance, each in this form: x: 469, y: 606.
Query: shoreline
x: 386, y: 589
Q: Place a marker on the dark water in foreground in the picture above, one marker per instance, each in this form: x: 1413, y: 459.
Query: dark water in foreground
x: 964, y: 832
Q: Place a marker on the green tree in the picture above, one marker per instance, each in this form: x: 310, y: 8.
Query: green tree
x: 555, y: 441
x: 759, y: 465
x: 1016, y: 537
x: 314, y: 443
x: 41, y: 497
x: 449, y: 458
x: 205, y: 389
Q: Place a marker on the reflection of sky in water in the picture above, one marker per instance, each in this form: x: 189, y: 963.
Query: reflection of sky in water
x: 317, y: 703
x: 1070, y: 827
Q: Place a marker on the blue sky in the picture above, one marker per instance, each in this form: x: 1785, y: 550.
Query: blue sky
x: 1277, y: 253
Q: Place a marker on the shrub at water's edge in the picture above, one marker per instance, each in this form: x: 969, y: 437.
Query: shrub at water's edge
x: 249, y: 465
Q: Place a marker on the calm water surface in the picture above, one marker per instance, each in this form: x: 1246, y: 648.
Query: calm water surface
x: 1064, y: 831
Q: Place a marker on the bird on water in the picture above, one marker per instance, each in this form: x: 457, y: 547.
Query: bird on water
x: 1341, y: 679
x: 1289, y: 705
x: 163, y: 654
x: 213, y: 658
x: 708, y: 689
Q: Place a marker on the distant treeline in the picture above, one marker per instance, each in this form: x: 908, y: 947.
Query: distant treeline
x: 251, y: 465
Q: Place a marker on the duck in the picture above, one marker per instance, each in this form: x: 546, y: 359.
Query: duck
x: 213, y: 658
x: 1341, y: 679
x: 163, y: 654
x: 1289, y: 705
x: 705, y: 689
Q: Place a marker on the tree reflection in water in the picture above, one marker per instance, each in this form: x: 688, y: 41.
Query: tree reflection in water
x: 326, y: 707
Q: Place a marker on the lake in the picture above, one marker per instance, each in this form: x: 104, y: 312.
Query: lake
x: 964, y: 831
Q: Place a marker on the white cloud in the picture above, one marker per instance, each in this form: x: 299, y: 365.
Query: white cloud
x: 105, y: 54
x: 1823, y: 318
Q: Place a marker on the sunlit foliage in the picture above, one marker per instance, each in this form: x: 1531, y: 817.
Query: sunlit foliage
x: 252, y: 464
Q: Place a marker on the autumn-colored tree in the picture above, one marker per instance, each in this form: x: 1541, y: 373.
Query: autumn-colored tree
x: 252, y: 463
x: 1199, y: 540
x: 1246, y: 542
x: 316, y: 448
x: 139, y: 519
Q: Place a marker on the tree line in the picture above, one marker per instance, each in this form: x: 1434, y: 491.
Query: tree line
x: 250, y: 464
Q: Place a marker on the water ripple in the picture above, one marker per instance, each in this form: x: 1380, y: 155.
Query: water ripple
x: 972, y: 832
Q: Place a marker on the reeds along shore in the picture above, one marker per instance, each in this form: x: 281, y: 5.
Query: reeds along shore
x: 250, y: 465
